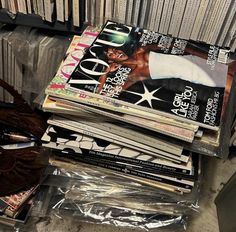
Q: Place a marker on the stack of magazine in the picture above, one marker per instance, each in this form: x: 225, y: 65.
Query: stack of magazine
x: 203, y: 20
x: 139, y: 102
x: 15, y: 209
x: 22, y: 62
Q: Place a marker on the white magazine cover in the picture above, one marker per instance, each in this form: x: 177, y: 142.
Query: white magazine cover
x: 58, y: 138
x: 87, y: 130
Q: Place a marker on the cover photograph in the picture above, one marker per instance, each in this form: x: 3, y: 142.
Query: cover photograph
x: 156, y: 73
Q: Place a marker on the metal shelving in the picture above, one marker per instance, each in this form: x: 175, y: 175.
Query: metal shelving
x: 34, y: 20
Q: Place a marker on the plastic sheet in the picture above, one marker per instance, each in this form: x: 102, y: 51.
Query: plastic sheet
x: 92, y: 194
x: 40, y: 53
x: 30, y: 58
x: 72, y: 224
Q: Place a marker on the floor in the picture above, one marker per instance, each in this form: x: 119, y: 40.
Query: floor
x: 216, y: 173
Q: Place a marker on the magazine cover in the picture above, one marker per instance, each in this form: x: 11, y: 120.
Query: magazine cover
x: 73, y: 55
x: 129, y: 172
x: 56, y: 87
x: 158, y: 73
x: 75, y: 108
x: 17, y: 200
x: 100, y: 134
x: 128, y: 169
x: 56, y: 105
x: 61, y: 138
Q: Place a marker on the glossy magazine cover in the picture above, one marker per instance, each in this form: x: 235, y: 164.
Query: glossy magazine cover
x: 155, y: 72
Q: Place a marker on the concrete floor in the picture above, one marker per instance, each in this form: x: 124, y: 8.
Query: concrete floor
x: 216, y: 172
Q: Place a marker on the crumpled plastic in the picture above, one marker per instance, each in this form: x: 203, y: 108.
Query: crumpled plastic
x: 96, y: 195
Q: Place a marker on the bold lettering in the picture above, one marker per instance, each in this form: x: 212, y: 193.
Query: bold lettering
x: 114, y: 35
x: 96, y: 62
x: 66, y: 70
x: 92, y: 49
x: 178, y: 100
x: 117, y: 29
x: 182, y: 113
x: 187, y: 92
x: 111, y: 40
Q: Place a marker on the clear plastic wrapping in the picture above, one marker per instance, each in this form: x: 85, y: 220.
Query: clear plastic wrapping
x: 95, y: 195
x: 39, y: 53
x: 72, y: 194
x: 30, y: 58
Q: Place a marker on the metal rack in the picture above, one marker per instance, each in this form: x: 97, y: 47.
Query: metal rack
x: 34, y: 20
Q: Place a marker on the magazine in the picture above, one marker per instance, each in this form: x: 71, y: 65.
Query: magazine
x: 186, y: 185
x: 64, y: 139
x: 100, y: 134
x: 61, y: 159
x: 21, y: 216
x: 16, y: 201
x: 73, y: 55
x: 148, y: 124
x: 69, y: 152
x: 74, y: 108
x: 126, y: 131
x: 154, y: 72
x: 56, y: 87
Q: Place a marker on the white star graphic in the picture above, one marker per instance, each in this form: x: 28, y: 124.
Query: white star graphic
x: 147, y: 96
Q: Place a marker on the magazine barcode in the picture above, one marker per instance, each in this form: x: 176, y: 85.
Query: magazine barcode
x: 223, y: 56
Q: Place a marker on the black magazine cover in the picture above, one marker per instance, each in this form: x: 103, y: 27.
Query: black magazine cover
x: 67, y: 140
x: 155, y: 72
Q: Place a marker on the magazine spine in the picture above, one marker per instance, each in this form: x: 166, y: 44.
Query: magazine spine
x: 119, y: 141
x: 226, y: 25
x: 110, y: 8
x: 231, y: 34
x: 207, y: 19
x: 146, y: 166
x: 185, y: 19
x: 179, y: 18
x: 169, y: 15
x: 75, y: 13
x: 122, y: 10
x: 100, y: 154
x: 135, y: 14
x: 83, y: 101
x: 174, y: 17
x: 152, y: 21
x: 122, y: 150
x: 161, y: 148
x: 161, y: 113
x: 114, y: 137
x: 136, y: 136
x: 214, y: 20
x: 158, y: 15
x: 162, y: 28
x: 129, y: 11
x: 199, y: 19
x: 193, y: 14
x: 220, y: 22
x: 122, y: 168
